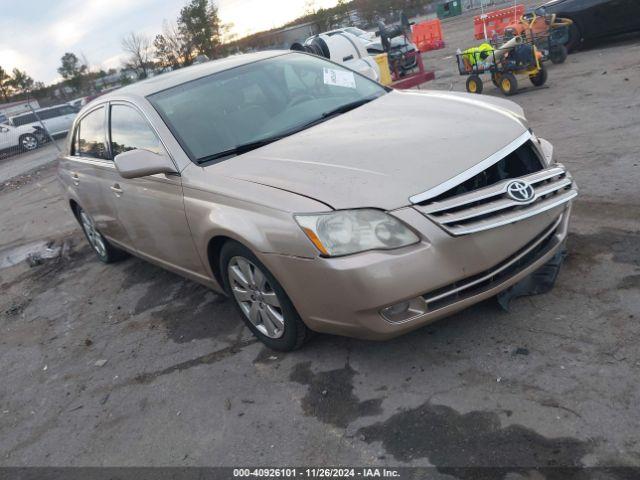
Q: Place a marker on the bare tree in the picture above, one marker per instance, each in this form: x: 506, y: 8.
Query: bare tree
x: 172, y: 49
x: 139, y: 49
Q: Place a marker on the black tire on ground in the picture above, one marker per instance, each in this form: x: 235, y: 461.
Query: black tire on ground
x: 558, y: 54
x: 508, y: 84
x: 28, y: 142
x: 295, y: 332
x: 474, y: 84
x: 104, y: 250
x: 541, y: 77
x: 575, y: 38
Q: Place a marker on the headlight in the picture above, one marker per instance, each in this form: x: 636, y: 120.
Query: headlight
x: 351, y: 231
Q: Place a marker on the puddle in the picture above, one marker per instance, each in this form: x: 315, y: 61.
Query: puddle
x: 34, y: 253
x: 458, y: 444
x: 330, y: 397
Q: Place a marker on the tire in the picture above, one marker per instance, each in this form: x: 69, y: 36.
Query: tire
x: 105, y: 252
x: 474, y: 84
x: 540, y: 78
x: 260, y: 299
x: 28, y: 142
x: 508, y: 84
x: 558, y: 54
x: 575, y: 38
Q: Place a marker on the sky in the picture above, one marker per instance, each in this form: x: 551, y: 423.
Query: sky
x: 35, y: 34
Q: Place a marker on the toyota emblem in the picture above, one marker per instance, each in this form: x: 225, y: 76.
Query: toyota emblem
x: 520, y: 191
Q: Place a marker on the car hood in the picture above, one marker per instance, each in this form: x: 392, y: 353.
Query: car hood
x: 382, y: 153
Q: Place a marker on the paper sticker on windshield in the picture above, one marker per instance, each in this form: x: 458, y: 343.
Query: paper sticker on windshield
x: 339, y: 78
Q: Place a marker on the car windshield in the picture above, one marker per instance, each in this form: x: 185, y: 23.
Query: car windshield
x: 236, y: 110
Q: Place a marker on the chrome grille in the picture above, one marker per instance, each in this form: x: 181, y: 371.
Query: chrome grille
x: 492, y: 207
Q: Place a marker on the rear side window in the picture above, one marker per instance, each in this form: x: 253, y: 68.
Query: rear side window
x: 24, y: 120
x: 90, y: 136
x: 130, y: 131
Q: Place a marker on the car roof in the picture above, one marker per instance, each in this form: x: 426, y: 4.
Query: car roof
x: 186, y: 74
x: 42, y: 109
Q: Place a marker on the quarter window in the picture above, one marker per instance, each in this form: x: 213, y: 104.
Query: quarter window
x: 90, y: 141
x: 130, y: 131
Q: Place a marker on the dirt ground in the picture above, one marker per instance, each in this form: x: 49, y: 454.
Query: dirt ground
x: 130, y: 365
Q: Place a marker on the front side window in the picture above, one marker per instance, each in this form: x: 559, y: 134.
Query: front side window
x: 65, y: 110
x: 130, y: 131
x: 90, y: 135
x: 218, y: 115
x: 47, y: 114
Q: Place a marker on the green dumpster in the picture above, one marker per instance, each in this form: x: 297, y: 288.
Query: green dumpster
x: 450, y: 9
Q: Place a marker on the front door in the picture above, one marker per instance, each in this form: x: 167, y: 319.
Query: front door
x: 92, y: 174
x: 6, y: 140
x: 151, y: 208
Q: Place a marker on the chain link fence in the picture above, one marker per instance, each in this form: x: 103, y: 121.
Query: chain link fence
x: 34, y: 128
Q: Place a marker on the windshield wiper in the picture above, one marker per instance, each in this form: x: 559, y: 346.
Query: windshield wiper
x: 240, y: 149
x: 347, y: 107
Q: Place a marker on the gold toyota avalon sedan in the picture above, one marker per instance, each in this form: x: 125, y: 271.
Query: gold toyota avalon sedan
x: 315, y: 198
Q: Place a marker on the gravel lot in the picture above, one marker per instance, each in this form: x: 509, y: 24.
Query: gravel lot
x: 552, y: 382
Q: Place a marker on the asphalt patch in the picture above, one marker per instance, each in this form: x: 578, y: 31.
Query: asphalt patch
x: 630, y: 282
x: 330, y: 397
x: 623, y: 246
x: 458, y: 444
x: 189, y: 311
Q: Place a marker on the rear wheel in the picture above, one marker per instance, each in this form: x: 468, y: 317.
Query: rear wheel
x: 539, y: 78
x: 558, y: 54
x: 28, y: 142
x: 474, y: 84
x: 575, y: 38
x: 260, y: 299
x: 508, y: 84
x: 106, y: 252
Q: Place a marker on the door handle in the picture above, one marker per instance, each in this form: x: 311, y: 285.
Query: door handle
x: 115, y: 188
x: 75, y: 178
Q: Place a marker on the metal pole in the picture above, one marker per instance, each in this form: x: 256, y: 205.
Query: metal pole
x: 42, y: 124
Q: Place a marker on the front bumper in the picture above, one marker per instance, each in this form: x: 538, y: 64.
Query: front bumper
x: 344, y: 296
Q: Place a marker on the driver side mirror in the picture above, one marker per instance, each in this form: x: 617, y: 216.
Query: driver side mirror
x: 141, y: 163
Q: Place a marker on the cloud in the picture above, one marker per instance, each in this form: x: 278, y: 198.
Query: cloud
x: 35, y: 38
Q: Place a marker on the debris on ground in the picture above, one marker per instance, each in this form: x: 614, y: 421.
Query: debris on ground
x: 101, y: 363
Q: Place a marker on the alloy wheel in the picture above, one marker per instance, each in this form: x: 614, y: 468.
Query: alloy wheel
x: 29, y: 142
x: 93, y: 235
x: 256, y: 297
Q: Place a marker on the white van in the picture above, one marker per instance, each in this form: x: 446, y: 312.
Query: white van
x: 57, y: 119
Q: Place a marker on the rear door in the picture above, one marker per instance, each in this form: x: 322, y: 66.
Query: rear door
x: 65, y: 116
x: 151, y: 208
x: 91, y: 174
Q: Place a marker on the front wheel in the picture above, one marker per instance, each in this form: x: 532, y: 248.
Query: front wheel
x: 28, y: 142
x: 260, y: 299
x: 508, y: 84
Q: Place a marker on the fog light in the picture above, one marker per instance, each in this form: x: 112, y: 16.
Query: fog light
x: 405, y: 311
